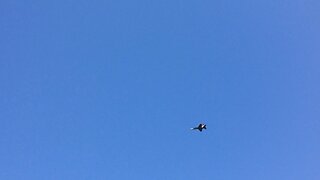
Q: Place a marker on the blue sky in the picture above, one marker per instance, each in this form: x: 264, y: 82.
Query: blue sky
x: 109, y: 90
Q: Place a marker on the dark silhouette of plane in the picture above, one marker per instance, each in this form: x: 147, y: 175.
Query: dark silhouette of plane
x: 200, y: 127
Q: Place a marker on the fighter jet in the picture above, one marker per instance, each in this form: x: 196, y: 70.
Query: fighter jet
x: 200, y: 127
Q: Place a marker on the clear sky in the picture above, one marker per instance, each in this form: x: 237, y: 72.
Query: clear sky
x: 108, y: 90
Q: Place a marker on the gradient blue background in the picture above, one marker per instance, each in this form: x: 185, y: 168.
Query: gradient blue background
x: 109, y: 89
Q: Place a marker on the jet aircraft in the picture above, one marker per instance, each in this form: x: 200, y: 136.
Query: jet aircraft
x: 200, y: 127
